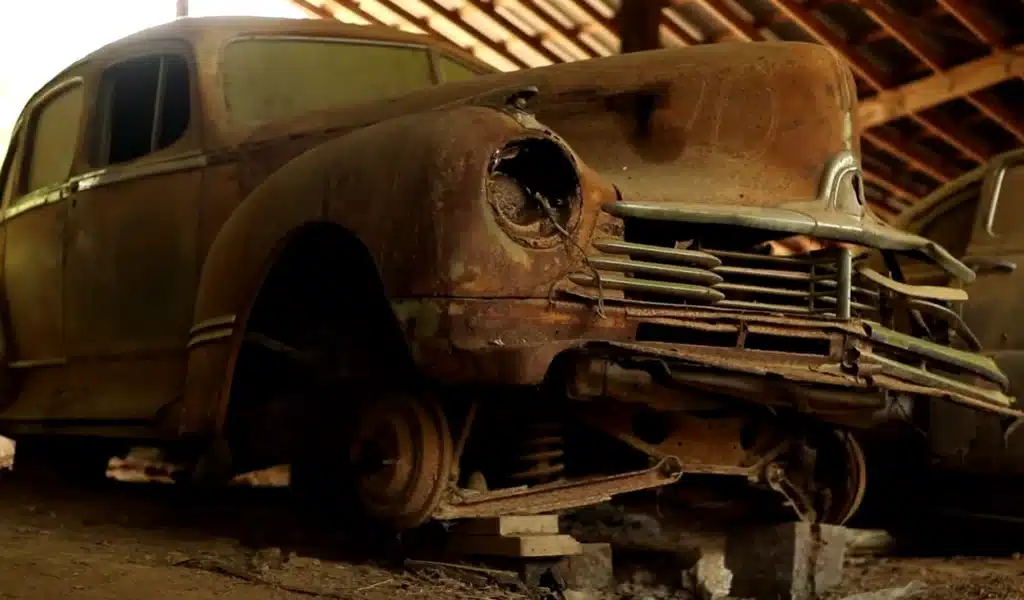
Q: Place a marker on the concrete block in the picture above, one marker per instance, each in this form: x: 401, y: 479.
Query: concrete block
x: 589, y: 570
x: 709, y: 578
x: 795, y: 561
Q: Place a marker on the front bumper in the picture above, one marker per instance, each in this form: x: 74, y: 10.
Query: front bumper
x: 853, y: 362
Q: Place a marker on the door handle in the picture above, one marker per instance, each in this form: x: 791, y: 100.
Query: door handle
x: 983, y: 264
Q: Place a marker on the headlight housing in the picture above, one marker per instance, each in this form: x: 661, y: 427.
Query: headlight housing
x: 533, y: 188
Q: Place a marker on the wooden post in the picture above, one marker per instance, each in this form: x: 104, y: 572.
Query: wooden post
x: 181, y: 9
x: 638, y: 22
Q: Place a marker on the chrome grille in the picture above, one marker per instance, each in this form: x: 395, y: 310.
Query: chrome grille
x: 807, y: 285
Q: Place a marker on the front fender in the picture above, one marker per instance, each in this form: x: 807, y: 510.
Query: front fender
x: 410, y: 189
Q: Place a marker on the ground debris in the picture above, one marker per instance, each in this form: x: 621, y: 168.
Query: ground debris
x: 914, y: 589
x: 470, y: 574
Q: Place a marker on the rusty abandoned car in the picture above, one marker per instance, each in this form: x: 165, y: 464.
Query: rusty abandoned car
x: 259, y: 242
x: 975, y: 217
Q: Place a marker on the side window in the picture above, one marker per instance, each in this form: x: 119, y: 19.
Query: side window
x: 52, y: 140
x: 1010, y: 210
x: 268, y: 79
x: 453, y: 70
x: 145, y: 106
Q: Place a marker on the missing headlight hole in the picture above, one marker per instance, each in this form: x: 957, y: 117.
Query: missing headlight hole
x: 525, y: 174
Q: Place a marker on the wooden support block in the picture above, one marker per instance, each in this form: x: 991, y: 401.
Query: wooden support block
x: 521, y: 546
x: 509, y: 526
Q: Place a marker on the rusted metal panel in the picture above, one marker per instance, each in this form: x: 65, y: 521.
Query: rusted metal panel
x: 33, y: 283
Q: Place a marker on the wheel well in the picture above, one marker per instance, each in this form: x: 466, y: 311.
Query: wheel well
x: 320, y: 328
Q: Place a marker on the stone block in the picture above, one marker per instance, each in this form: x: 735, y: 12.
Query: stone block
x: 589, y: 570
x: 709, y: 578
x: 795, y: 561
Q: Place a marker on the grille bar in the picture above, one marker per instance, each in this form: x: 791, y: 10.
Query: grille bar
x: 695, y: 293
x: 694, y: 257
x: 690, y: 274
x: 727, y: 279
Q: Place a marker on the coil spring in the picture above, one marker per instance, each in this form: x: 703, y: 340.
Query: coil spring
x: 541, y: 454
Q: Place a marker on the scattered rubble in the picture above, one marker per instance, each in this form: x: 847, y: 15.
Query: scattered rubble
x: 913, y: 589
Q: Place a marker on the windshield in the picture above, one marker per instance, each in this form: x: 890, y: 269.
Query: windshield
x: 269, y: 79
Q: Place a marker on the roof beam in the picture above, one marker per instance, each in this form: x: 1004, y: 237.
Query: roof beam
x: 917, y: 158
x: 971, y: 16
x: 553, y: 25
x: 456, y: 19
x: 536, y: 42
x: 909, y: 35
x: 879, y: 80
x: 817, y: 29
x: 313, y: 9
x: 639, y: 23
x: 736, y: 25
x: 922, y: 94
x: 893, y: 188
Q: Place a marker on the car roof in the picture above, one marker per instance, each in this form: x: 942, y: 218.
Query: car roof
x: 925, y: 205
x: 197, y: 30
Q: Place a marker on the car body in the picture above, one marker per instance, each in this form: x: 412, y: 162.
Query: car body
x: 220, y: 232
x: 972, y: 216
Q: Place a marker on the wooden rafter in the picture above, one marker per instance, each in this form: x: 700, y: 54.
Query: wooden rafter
x: 723, y: 14
x: 969, y: 15
x: 934, y: 90
x: 534, y: 41
x: 558, y: 28
x: 350, y: 6
x: 917, y: 158
x: 906, y: 33
x: 872, y: 75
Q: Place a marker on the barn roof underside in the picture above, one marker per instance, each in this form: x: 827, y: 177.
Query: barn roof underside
x: 940, y: 81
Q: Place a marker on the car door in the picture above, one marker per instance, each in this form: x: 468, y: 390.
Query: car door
x: 34, y: 185
x: 995, y: 251
x: 962, y: 437
x: 131, y: 269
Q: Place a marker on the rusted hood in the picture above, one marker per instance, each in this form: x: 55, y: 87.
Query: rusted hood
x: 695, y: 132
x: 736, y: 124
x: 742, y: 124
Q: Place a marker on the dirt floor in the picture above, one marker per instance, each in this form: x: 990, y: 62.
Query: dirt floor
x: 73, y: 540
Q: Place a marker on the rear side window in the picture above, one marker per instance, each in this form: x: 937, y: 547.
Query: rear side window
x: 268, y: 79
x: 52, y: 139
x: 453, y: 70
x: 1010, y: 210
x: 146, y: 107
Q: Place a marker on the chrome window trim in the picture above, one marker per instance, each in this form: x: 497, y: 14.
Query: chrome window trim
x: 24, y: 126
x: 98, y: 178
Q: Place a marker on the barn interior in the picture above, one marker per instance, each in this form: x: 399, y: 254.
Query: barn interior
x: 940, y: 90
